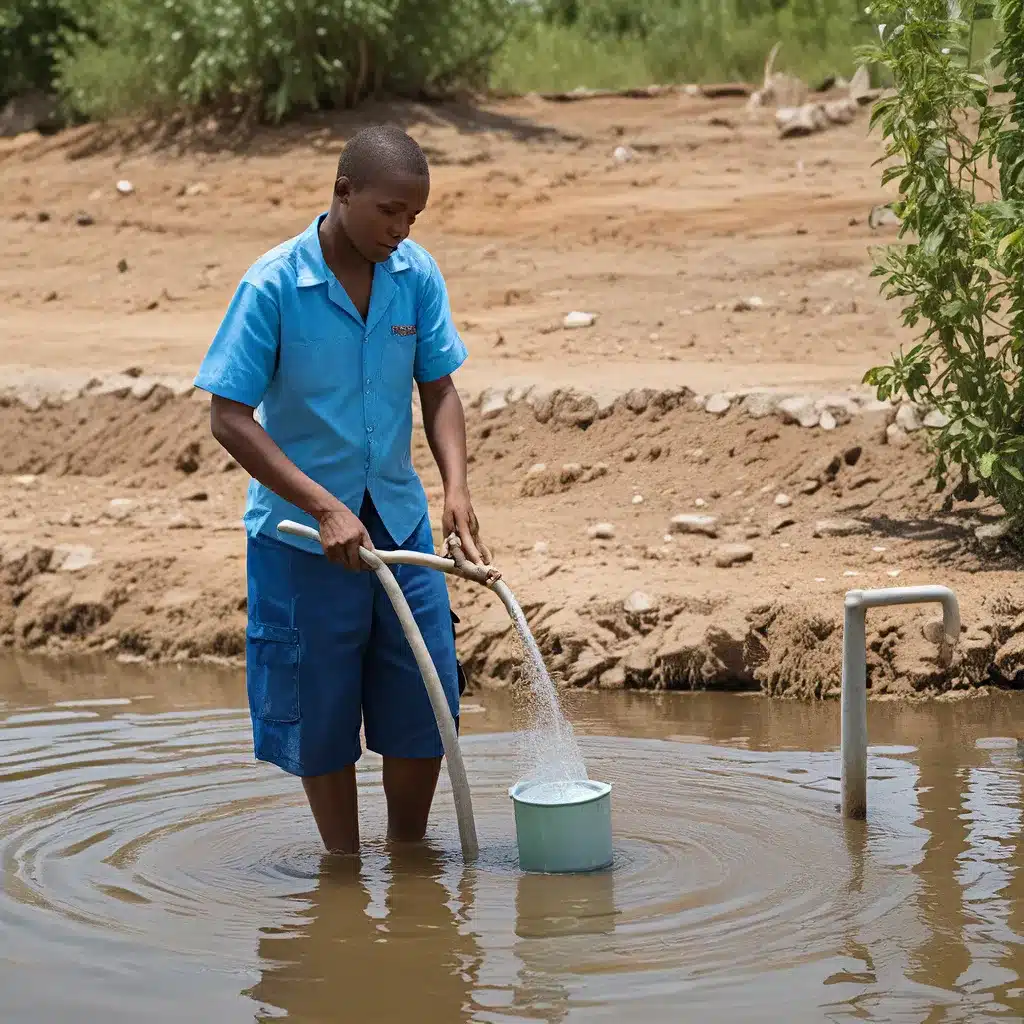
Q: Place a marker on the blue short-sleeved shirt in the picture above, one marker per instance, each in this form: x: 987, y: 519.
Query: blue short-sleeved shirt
x: 332, y: 390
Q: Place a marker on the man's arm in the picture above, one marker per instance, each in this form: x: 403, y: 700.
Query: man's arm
x: 444, y: 422
x: 235, y: 428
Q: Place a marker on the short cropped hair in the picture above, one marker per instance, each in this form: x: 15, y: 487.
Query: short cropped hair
x: 381, y: 151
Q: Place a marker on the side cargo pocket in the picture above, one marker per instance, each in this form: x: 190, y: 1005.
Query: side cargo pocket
x: 272, y: 672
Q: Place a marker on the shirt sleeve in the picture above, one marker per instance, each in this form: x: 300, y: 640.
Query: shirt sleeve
x: 439, y: 349
x: 240, y: 362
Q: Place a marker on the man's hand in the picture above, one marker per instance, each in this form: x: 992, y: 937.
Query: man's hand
x: 341, y: 535
x: 460, y: 519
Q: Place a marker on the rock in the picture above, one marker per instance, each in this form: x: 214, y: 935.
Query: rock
x: 623, y: 154
x: 783, y: 500
x: 630, y: 564
x: 852, y: 455
x: 728, y: 555
x: 25, y: 479
x: 990, y: 535
x: 630, y: 455
x: 759, y: 404
x: 1009, y: 660
x: 28, y: 111
x: 827, y: 421
x: 196, y: 188
x: 122, y: 266
x: 908, y: 418
x: 570, y: 473
x: 72, y: 557
x: 883, y: 217
x: 699, y: 503
x: 578, y: 319
x: 124, y: 187
x: 840, y: 528
x: 536, y: 469
x: 694, y: 524
x: 810, y: 487
x: 84, y: 220
x: 896, y: 436
x: 638, y: 499
x: 781, y: 524
x: 936, y: 420
x: 748, y: 305
x: 541, y: 547
x: 717, y: 405
x: 493, y: 404
x: 799, y: 409
x: 639, y: 603
x: 43, y: 216
x: 933, y: 632
x: 601, y: 531
x: 613, y: 679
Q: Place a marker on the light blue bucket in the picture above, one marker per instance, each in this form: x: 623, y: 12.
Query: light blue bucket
x: 563, y: 827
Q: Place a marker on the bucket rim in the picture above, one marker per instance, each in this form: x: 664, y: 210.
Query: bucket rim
x: 520, y: 793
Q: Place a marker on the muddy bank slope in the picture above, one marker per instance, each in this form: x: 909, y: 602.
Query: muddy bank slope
x: 658, y: 539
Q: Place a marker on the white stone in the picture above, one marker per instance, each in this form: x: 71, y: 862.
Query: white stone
x: 799, y: 409
x: 717, y: 405
x: 759, y: 404
x: 537, y: 468
x: 908, y: 418
x: 700, y: 503
x: 541, y: 547
x: 494, y: 403
x: 936, y: 420
x: 748, y: 304
x: 729, y: 555
x: 197, y: 188
x: 840, y: 528
x: 72, y: 557
x: 125, y: 187
x: 783, y: 500
x: 26, y: 479
x: 896, y: 436
x: 827, y: 421
x: 601, y: 531
x: 579, y: 319
x: 688, y: 523
x: 638, y: 603
x: 893, y: 573
x: 623, y: 154
x: 638, y: 499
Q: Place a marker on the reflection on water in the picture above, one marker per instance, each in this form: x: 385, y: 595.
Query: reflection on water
x: 151, y: 870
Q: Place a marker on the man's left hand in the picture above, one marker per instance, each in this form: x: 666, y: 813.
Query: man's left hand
x: 460, y: 519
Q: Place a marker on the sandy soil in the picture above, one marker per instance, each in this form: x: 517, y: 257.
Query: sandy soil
x: 119, y: 516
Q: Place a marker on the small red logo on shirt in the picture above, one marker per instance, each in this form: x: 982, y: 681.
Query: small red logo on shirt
x: 403, y: 330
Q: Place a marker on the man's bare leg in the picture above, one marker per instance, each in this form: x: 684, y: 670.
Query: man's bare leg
x: 332, y: 799
x: 409, y: 785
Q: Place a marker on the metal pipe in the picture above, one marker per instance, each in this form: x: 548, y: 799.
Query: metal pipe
x: 854, y: 715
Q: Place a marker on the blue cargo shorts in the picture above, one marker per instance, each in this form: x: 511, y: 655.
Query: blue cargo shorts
x: 325, y: 652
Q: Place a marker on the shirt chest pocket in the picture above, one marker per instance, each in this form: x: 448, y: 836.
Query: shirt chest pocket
x: 316, y: 361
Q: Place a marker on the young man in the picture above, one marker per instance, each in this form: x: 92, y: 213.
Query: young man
x: 322, y: 341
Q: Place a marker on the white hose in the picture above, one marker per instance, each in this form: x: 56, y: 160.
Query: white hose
x: 379, y: 561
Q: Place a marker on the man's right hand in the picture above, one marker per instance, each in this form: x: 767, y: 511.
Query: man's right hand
x: 341, y: 536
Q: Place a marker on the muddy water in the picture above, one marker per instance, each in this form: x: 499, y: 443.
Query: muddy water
x: 152, y: 872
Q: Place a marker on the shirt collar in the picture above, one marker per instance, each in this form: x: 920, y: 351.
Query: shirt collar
x: 312, y: 269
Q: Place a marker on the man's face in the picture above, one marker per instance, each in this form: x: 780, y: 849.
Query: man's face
x: 378, y: 217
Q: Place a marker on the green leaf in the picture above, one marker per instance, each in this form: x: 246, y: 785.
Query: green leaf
x: 986, y: 464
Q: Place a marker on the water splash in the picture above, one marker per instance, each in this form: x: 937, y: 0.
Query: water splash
x: 549, y: 751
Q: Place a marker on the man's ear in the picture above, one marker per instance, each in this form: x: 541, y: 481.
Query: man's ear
x: 343, y: 189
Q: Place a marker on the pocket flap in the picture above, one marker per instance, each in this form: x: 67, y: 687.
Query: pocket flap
x: 276, y: 634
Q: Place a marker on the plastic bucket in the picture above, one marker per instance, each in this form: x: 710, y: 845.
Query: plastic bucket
x: 563, y: 826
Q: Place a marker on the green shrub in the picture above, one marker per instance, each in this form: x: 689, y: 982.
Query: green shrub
x: 960, y: 272
x: 560, y: 44
x: 269, y: 57
x: 30, y: 30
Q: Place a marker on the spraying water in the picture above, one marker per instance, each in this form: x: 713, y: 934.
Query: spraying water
x: 549, y: 752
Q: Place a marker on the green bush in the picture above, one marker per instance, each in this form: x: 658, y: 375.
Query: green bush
x: 960, y: 271
x: 268, y: 57
x: 30, y: 30
x: 560, y: 44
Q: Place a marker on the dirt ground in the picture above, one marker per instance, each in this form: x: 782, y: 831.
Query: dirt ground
x: 728, y: 271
